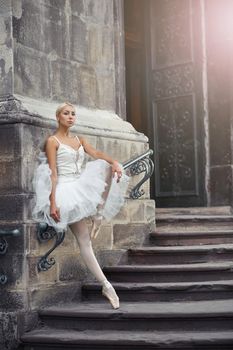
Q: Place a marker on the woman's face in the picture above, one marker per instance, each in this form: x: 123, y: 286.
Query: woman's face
x: 67, y: 116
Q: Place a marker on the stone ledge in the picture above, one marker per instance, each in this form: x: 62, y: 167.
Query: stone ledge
x: 21, y: 109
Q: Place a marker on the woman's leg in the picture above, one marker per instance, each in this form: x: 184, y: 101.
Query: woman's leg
x: 80, y: 231
x: 97, y: 219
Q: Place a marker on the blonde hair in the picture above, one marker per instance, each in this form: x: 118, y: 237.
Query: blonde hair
x: 62, y: 106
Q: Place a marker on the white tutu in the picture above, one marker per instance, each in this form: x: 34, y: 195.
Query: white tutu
x: 78, y: 195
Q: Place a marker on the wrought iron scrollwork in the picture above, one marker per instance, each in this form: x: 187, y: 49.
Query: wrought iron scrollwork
x: 137, y: 166
x: 44, y: 234
x: 4, y: 248
x: 3, y: 279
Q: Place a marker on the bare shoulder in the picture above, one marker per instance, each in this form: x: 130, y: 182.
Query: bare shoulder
x: 82, y: 140
x: 51, y: 142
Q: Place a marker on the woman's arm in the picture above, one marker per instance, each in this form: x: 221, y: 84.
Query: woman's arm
x: 51, y: 152
x: 101, y: 155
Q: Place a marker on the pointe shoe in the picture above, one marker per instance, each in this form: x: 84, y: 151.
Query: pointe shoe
x: 96, y: 224
x: 109, y: 292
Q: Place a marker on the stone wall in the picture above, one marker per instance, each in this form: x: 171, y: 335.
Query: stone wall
x: 65, y: 50
x: 54, y: 51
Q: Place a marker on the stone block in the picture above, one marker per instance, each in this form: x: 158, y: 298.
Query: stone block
x: 104, y: 240
x: 136, y: 209
x: 107, y: 91
x: 122, y: 216
x: 9, y: 142
x: 12, y: 207
x: 27, y: 27
x: 101, y: 48
x: 87, y: 87
x: 13, y: 267
x: 8, y: 330
x: 43, y: 277
x: 150, y: 212
x: 115, y: 148
x: 112, y: 257
x: 54, y: 295
x: 32, y: 73
x: 6, y: 54
x: 52, y: 29
x: 6, y: 8
x: 78, y: 40
x: 66, y: 81
x: 72, y: 268
x: 77, y: 7
x: 12, y: 300
x: 130, y: 235
x: 10, y: 177
x: 100, y: 11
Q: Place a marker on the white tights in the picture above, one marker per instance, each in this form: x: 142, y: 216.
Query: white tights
x: 81, y: 233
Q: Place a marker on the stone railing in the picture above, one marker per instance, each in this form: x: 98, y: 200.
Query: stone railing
x: 136, y: 166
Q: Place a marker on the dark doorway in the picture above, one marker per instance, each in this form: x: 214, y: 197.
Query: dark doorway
x: 164, y: 94
x: 135, y: 60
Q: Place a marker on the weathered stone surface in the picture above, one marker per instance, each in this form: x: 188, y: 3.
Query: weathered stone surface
x: 10, y: 184
x: 8, y: 330
x: 12, y: 207
x: 32, y: 73
x: 106, y: 91
x: 99, y: 12
x: 104, y: 240
x: 43, y: 277
x: 13, y: 267
x: 53, y: 295
x: 77, y: 7
x: 130, y: 235
x: 87, y: 88
x: 66, y: 81
x: 9, y: 142
x: 72, y: 268
x: 6, y: 55
x: 221, y: 185
x: 11, y: 300
x: 78, y: 40
x: 101, y: 48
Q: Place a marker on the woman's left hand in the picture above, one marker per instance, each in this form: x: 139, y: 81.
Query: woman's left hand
x: 116, y: 169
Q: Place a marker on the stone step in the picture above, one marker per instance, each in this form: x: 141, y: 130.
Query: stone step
x: 54, y: 339
x: 172, y: 222
x: 190, y: 238
x: 222, y: 210
x: 170, y: 273
x: 180, y: 254
x: 182, y: 291
x: 144, y: 316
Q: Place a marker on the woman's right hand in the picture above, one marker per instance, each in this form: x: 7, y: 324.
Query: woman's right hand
x: 55, y: 212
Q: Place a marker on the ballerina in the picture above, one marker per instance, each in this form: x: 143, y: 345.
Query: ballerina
x: 68, y: 191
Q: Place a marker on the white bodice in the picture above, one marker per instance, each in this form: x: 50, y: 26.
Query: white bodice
x: 69, y: 160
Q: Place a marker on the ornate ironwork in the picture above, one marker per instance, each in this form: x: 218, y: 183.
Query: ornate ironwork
x: 3, y: 279
x: 136, y: 166
x: 16, y: 232
x: 4, y: 247
x: 44, y: 234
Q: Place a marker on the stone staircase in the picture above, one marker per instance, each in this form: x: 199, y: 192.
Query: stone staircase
x: 176, y: 292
